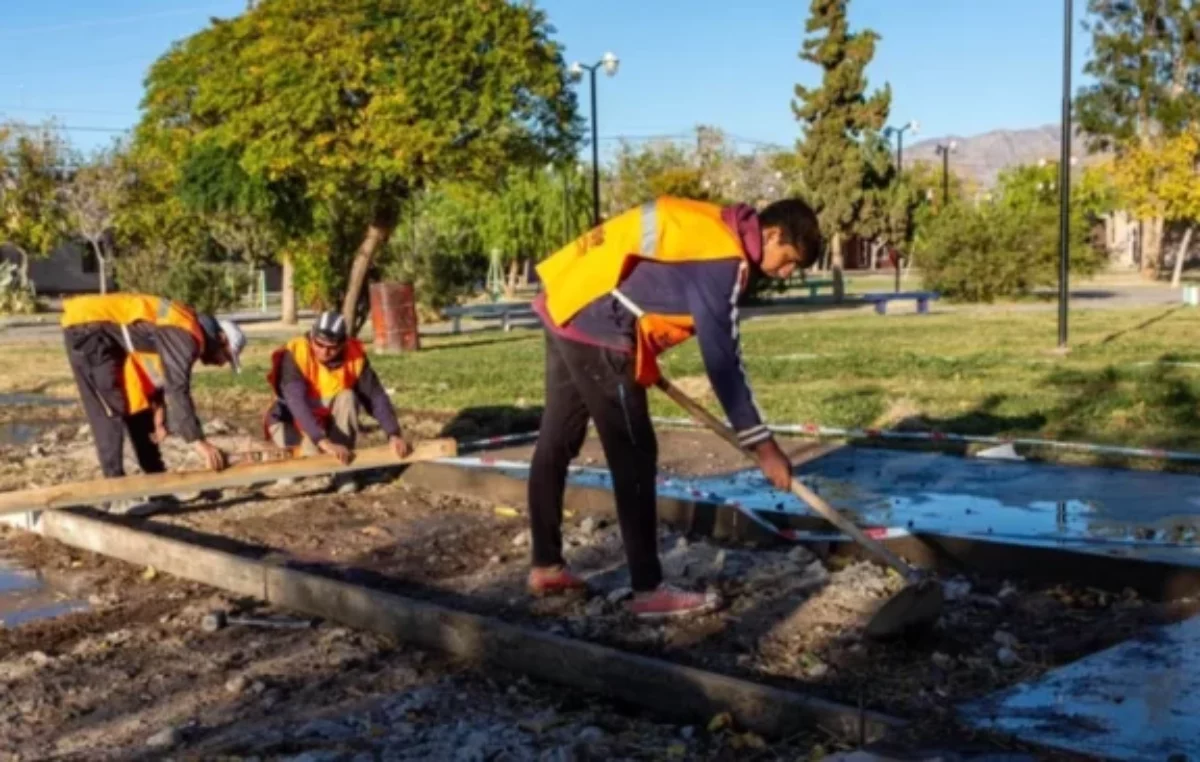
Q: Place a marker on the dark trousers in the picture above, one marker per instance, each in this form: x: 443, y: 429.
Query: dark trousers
x: 585, y: 382
x: 98, y: 364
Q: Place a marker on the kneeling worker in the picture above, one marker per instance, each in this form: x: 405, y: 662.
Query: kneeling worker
x: 612, y: 301
x: 320, y: 381
x: 132, y: 356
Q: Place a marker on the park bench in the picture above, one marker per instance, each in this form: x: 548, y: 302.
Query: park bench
x: 881, y: 300
x: 813, y: 286
x: 505, y: 312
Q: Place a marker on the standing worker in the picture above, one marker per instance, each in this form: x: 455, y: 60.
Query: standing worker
x: 612, y: 301
x: 132, y: 356
x: 320, y: 382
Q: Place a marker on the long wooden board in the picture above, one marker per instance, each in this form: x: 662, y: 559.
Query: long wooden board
x: 667, y: 689
x: 93, y: 492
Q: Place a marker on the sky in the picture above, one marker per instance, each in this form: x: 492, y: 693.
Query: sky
x: 958, y: 67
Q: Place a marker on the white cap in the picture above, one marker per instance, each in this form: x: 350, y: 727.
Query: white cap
x: 236, y: 340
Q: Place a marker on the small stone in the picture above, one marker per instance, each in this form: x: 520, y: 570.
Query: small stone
x: 687, y: 732
x: 258, y: 687
x: 1007, y: 657
x: 216, y: 426
x: 956, y: 589
x: 682, y: 543
x: 237, y: 684
x: 1006, y: 639
x: 521, y: 539
x: 719, y: 561
x: 595, y: 607
x: 588, y: 525
x: 941, y: 660
x: 495, y: 560
x: 37, y: 451
x: 83, y: 432
x: 1008, y: 592
x: 164, y: 739
x: 618, y: 595
x: 801, y: 556
x: 592, y: 734
x: 818, y: 670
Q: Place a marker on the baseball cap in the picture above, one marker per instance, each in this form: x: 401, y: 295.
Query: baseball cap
x: 236, y: 340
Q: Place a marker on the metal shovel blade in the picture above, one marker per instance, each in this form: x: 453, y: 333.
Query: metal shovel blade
x: 912, y: 609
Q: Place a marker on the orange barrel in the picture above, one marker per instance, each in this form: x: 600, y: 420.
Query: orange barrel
x: 394, y: 317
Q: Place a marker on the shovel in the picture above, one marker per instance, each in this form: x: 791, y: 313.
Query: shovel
x: 915, y: 607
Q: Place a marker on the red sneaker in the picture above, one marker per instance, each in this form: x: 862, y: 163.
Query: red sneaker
x: 554, y: 580
x: 667, y: 602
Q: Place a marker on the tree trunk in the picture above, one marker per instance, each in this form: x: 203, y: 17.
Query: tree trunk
x: 510, y: 283
x: 875, y: 247
x: 377, y: 235
x: 1180, y: 256
x: 836, y: 265
x: 288, y: 291
x: 101, y: 269
x: 23, y: 270
x: 1152, y: 248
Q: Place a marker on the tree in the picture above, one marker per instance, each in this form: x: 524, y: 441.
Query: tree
x: 1145, y: 63
x: 91, y: 200
x: 844, y: 157
x: 366, y: 101
x: 1161, y: 181
x: 32, y: 164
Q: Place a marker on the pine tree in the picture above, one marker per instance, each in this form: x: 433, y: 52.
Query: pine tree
x: 1146, y: 66
x: 843, y: 157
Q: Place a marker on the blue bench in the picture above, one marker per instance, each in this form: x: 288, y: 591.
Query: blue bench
x: 505, y: 312
x: 922, y: 298
x: 813, y: 286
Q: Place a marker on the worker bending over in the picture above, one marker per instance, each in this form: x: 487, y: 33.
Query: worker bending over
x: 132, y: 357
x: 320, y: 381
x: 612, y: 301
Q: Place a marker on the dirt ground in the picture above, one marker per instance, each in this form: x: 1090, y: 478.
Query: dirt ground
x: 136, y: 668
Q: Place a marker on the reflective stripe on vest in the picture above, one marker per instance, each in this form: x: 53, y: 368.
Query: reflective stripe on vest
x: 649, y: 229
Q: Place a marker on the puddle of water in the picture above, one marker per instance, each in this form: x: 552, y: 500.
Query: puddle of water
x: 1135, y: 701
x: 31, y: 398
x: 16, y: 433
x: 25, y: 597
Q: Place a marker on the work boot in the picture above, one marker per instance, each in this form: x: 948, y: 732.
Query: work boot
x: 553, y: 580
x: 667, y: 602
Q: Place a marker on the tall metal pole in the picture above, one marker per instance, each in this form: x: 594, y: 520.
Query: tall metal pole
x: 595, y: 156
x: 946, y: 174
x: 900, y: 151
x: 1064, y: 184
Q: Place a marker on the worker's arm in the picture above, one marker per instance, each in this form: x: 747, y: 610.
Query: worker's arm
x: 178, y: 351
x: 374, y: 399
x: 712, y: 294
x: 294, y: 389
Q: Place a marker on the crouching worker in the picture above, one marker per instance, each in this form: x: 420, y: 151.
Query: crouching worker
x: 320, y: 382
x: 613, y: 300
x: 132, y: 356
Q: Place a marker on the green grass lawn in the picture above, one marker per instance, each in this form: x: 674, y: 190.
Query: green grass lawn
x: 990, y: 373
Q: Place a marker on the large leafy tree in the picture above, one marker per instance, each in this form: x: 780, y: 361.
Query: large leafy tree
x: 366, y: 101
x: 32, y: 166
x: 843, y: 156
x: 1146, y: 70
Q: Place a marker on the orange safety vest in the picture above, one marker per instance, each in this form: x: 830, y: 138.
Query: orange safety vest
x: 323, y: 383
x: 670, y: 230
x: 142, y: 376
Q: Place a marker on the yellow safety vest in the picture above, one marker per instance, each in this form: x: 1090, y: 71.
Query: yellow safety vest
x: 668, y: 229
x: 323, y: 383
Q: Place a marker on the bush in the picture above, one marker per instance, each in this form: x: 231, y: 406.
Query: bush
x: 995, y: 250
x: 15, y: 299
x: 204, y: 286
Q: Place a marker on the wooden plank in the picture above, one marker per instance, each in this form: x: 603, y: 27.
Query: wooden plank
x: 78, y: 494
x: 667, y: 689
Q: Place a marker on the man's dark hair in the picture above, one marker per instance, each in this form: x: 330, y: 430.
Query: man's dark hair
x: 797, y: 224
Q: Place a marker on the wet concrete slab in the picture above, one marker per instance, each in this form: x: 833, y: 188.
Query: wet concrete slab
x: 1113, y: 512
x: 1139, y: 700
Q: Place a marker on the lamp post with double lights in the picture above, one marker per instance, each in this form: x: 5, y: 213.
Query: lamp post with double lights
x: 899, y: 133
x: 609, y: 62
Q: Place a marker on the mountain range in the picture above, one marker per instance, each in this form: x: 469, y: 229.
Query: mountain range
x: 981, y: 157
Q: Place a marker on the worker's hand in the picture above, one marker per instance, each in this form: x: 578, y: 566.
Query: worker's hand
x: 774, y: 464
x: 213, y: 458
x: 341, y: 452
x: 159, y: 436
x: 160, y: 425
x: 400, y: 447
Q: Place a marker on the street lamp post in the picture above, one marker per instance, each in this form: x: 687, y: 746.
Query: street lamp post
x: 1064, y: 183
x: 945, y: 149
x: 609, y: 63
x: 899, y: 133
